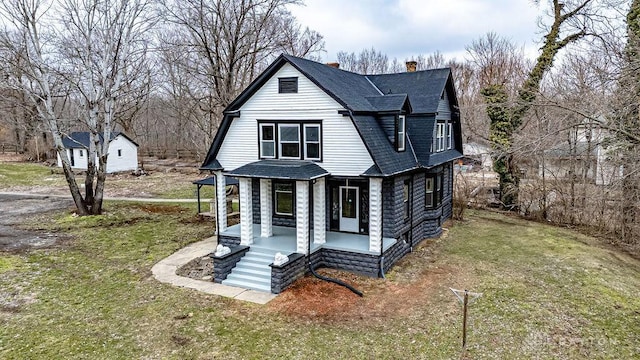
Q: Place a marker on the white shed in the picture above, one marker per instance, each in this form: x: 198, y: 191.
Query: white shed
x: 123, y: 152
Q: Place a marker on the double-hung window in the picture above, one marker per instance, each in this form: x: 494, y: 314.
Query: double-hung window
x: 283, y: 199
x: 401, y: 130
x: 440, y: 135
x: 406, y: 192
x: 449, y: 135
x: 267, y: 141
x: 312, y: 142
x: 289, y: 136
x: 433, y: 190
x: 429, y: 199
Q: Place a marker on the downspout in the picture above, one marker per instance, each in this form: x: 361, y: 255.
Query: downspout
x: 312, y: 270
x: 381, y: 262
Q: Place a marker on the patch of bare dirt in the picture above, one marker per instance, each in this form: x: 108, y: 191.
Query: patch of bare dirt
x: 412, y: 283
x: 14, y: 210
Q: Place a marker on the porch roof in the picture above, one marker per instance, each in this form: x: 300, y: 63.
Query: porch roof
x: 280, y: 169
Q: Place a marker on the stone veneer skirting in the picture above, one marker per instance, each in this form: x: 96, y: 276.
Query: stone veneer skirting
x: 282, y: 276
x: 222, y: 265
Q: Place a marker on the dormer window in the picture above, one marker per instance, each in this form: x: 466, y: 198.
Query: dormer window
x: 401, y: 130
x: 288, y: 85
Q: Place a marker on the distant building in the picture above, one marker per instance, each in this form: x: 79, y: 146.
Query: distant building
x: 123, y: 152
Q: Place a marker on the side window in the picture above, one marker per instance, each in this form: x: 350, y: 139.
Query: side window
x: 81, y: 153
x: 449, y: 135
x: 440, y: 136
x: 267, y: 141
x: 119, y: 152
x: 429, y: 200
x: 401, y: 130
x: 312, y: 146
x: 406, y: 192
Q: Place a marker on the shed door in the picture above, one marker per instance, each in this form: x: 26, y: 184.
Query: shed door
x: 349, y: 213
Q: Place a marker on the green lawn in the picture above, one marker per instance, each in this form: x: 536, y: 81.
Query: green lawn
x: 549, y: 293
x: 27, y: 174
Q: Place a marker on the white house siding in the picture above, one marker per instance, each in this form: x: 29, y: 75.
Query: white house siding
x: 343, y: 152
x: 129, y: 158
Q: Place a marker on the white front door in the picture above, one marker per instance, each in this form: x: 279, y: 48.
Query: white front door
x: 349, y: 209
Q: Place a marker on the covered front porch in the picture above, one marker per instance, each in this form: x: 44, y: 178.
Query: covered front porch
x: 294, y: 193
x: 284, y: 240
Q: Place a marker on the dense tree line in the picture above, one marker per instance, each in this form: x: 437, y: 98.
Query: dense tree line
x: 163, y: 71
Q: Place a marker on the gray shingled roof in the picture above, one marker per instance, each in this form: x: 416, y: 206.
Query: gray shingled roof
x: 364, y: 96
x: 80, y: 139
x: 280, y: 169
x: 423, y: 87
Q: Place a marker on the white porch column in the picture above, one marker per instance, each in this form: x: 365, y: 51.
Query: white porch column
x: 221, y: 200
x: 246, y: 212
x: 319, y: 212
x: 375, y: 215
x: 266, y: 227
x: 302, y: 216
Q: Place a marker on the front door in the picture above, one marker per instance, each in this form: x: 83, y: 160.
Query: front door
x: 349, y: 209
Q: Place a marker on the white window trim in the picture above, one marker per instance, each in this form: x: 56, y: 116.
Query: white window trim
x: 440, y: 135
x: 429, y: 190
x: 401, y: 132
x: 280, y: 141
x: 449, y: 135
x: 319, y: 142
x: 275, y: 154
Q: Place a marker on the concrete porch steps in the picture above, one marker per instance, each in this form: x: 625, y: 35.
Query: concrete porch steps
x: 253, y: 270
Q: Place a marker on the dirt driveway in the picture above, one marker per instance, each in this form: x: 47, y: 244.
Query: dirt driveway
x: 15, y: 209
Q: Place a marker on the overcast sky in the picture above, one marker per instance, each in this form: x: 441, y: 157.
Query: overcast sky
x: 402, y: 28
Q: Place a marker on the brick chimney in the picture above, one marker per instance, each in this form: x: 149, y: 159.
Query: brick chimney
x: 334, y: 65
x: 411, y: 65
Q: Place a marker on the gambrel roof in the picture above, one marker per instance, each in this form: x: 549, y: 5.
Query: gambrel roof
x: 365, y: 98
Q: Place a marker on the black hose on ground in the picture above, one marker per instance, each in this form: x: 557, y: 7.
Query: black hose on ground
x: 335, y: 281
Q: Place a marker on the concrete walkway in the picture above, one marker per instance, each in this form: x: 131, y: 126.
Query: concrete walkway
x: 165, y: 271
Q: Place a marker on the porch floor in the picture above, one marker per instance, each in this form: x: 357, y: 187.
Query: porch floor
x: 284, y: 240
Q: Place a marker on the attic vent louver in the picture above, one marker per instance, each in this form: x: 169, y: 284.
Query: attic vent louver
x: 288, y: 85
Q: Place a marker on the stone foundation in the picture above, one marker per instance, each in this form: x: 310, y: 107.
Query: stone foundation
x: 282, y: 276
x: 222, y: 265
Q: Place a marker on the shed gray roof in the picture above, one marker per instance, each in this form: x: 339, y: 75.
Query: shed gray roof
x: 80, y: 139
x: 280, y: 169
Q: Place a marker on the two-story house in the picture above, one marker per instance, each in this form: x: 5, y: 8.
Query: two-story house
x: 335, y: 169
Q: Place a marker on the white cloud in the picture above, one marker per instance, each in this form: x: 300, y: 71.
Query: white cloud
x: 404, y: 28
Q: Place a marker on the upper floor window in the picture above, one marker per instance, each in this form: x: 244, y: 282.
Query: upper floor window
x: 312, y: 141
x: 267, y: 141
x: 401, y: 130
x: 289, y: 135
x: 290, y: 140
x: 449, y: 135
x: 440, y: 136
x: 288, y: 85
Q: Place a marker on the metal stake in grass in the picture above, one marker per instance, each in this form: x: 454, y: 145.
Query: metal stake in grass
x: 463, y: 297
